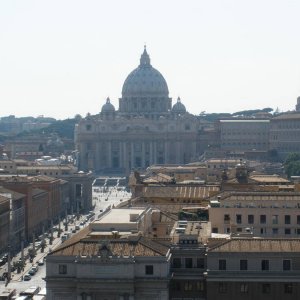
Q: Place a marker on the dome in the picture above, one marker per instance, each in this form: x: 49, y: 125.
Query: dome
x: 107, y: 107
x: 178, y: 107
x: 145, y: 80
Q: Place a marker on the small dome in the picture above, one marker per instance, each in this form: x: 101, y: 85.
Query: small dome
x: 107, y: 107
x: 145, y: 80
x: 178, y: 107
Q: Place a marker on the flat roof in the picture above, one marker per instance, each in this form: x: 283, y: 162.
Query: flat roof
x: 245, y: 121
x: 118, y: 216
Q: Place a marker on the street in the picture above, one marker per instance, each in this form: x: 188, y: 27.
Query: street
x: 104, y: 198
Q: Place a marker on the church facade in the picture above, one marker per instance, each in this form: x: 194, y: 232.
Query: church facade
x: 146, y: 129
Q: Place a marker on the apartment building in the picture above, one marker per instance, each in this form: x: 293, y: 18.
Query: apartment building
x: 265, y: 214
x: 254, y: 268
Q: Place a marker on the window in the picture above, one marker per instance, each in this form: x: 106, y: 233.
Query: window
x: 62, y: 269
x: 88, y: 127
x: 263, y: 219
x: 239, y: 219
x: 287, y: 219
x: 266, y: 288
x: 215, y: 230
x: 287, y: 231
x: 188, y: 262
x: 298, y: 219
x: 200, y: 263
x: 286, y: 265
x: 199, y: 286
x: 243, y: 264
x: 222, y: 287
x: 226, y: 218
x: 149, y: 270
x: 250, y: 219
x: 275, y: 219
x: 188, y: 286
x: 265, y: 265
x: 176, y: 262
x: 288, y: 288
x: 275, y: 230
x: 244, y: 288
x: 222, y: 264
x: 298, y: 230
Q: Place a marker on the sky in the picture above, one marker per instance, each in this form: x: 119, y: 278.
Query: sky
x: 59, y: 58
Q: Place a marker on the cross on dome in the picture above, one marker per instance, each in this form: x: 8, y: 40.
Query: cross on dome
x: 145, y: 59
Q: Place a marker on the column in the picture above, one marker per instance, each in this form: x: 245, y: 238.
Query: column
x: 125, y: 158
x: 155, y: 153
x: 132, y: 156
x: 166, y: 152
x: 97, y: 157
x: 151, y: 160
x: 109, y: 154
x: 178, y: 152
x: 143, y: 155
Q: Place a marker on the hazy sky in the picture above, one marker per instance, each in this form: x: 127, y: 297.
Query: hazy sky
x: 63, y: 57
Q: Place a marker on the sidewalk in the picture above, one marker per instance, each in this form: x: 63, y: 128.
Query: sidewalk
x: 17, y: 277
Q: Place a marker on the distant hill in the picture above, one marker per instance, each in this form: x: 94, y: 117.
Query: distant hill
x: 64, y: 128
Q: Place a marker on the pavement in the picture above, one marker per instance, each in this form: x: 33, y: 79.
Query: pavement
x: 102, y: 200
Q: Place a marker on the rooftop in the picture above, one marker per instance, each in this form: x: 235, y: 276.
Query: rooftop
x: 120, y: 216
x: 123, y: 247
x: 177, y: 191
x: 258, y: 245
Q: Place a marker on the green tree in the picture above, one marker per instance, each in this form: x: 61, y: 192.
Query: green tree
x: 292, y: 164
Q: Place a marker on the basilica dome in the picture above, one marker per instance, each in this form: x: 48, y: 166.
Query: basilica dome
x: 107, y: 107
x: 145, y: 81
x: 178, y: 107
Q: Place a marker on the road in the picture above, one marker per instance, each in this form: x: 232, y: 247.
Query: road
x: 103, y: 199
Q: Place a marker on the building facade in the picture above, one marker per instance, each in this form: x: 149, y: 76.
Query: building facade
x: 254, y: 269
x: 285, y: 133
x: 265, y: 214
x: 244, y: 134
x: 145, y: 130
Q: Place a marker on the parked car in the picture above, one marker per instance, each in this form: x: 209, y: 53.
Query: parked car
x: 31, y: 272
x: 35, y: 268
x: 41, y: 262
x: 27, y: 277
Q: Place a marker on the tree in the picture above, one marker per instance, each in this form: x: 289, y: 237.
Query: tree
x: 292, y: 164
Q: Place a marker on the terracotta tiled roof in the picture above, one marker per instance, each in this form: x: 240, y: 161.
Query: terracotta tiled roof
x: 259, y: 195
x: 14, y: 195
x: 268, y: 178
x: 176, y: 191
x: 158, y: 178
x: 37, y: 191
x: 3, y: 199
x: 259, y: 245
x: 132, y: 246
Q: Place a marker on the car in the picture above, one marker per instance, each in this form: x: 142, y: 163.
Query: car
x: 77, y: 227
x: 82, y: 223
x: 27, y: 277
x: 31, y: 272
x: 35, y: 268
x: 41, y: 262
x: 101, y: 210
x: 74, y: 230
